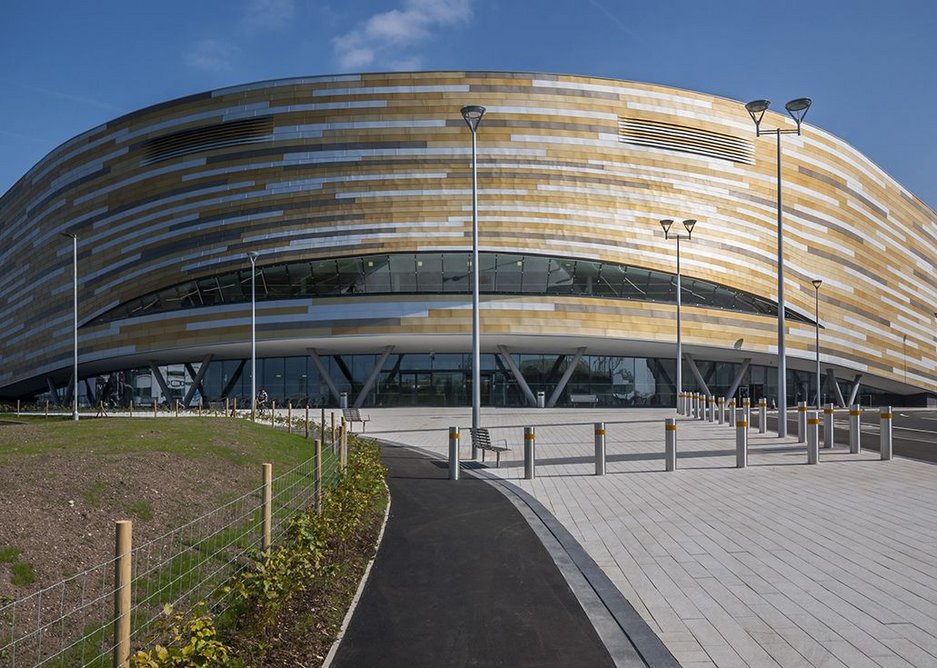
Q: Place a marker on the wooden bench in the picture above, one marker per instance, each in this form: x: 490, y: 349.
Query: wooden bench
x: 354, y: 415
x: 481, y: 440
x: 583, y: 399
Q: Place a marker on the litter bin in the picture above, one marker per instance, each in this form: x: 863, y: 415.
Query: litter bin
x: 343, y: 400
x: 541, y: 400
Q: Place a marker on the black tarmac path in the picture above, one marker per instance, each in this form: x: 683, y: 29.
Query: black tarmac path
x: 461, y: 579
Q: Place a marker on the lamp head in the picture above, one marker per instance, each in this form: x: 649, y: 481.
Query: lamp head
x: 667, y: 223
x: 473, y: 115
x: 70, y: 235
x: 253, y: 256
x: 797, y: 108
x: 689, y: 224
x: 817, y: 283
x: 756, y: 109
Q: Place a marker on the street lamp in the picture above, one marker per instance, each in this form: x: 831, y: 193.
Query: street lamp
x: 816, y: 286
x: 797, y: 109
x: 253, y: 258
x: 473, y: 116
x: 689, y: 224
x: 74, y: 238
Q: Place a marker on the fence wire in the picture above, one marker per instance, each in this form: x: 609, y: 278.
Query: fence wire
x: 71, y: 622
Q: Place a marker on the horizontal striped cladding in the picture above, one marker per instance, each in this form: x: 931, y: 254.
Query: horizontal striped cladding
x: 380, y: 163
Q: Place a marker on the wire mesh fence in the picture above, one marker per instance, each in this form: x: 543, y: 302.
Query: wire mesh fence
x: 72, y: 622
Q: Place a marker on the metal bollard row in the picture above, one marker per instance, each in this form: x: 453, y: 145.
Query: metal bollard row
x: 453, y: 453
x: 741, y: 443
x: 530, y: 453
x: 828, y: 426
x: 747, y: 407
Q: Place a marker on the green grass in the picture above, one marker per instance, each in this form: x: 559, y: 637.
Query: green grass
x: 9, y: 554
x: 22, y: 574
x: 141, y: 509
x: 95, y: 495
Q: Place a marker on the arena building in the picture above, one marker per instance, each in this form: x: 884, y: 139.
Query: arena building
x: 355, y: 191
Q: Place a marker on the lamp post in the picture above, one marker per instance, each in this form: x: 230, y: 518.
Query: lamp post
x: 74, y: 238
x: 473, y: 116
x: 253, y: 258
x: 816, y: 286
x: 689, y: 224
x: 797, y: 109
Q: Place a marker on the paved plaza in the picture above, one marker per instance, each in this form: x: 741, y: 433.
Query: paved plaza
x: 778, y: 564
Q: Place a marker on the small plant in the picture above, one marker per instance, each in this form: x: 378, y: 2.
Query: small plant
x: 95, y: 495
x: 9, y: 554
x: 23, y: 574
x: 141, y: 509
x: 191, y: 640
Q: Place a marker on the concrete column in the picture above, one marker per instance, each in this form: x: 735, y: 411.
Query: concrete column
x: 885, y: 416
x: 670, y: 444
x: 801, y: 421
x: 453, y: 453
x: 600, y: 448
x: 855, y: 433
x: 828, y: 426
x: 741, y: 443
x: 812, y: 428
x: 530, y: 453
x: 762, y: 415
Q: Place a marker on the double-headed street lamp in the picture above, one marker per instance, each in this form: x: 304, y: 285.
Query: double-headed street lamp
x: 253, y: 258
x: 74, y: 238
x: 797, y: 108
x: 689, y: 224
x: 816, y: 286
x: 473, y: 116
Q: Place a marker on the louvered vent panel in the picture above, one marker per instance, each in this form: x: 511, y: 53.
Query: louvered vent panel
x: 222, y: 135
x: 672, y: 137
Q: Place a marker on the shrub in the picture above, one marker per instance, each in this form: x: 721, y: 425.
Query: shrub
x: 192, y: 641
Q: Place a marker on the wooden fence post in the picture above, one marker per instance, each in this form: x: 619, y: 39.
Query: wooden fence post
x: 122, y: 594
x: 307, y: 421
x: 273, y: 413
x: 289, y: 417
x: 343, y: 445
x: 154, y: 407
x: 332, y: 435
x: 47, y: 408
x: 322, y: 426
x: 317, y: 490
x: 177, y: 408
x: 131, y: 408
x: 268, y: 508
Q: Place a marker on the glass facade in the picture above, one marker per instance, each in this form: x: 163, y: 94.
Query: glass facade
x: 444, y: 273
x: 435, y: 379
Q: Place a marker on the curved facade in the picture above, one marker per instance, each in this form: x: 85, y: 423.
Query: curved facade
x: 324, y: 175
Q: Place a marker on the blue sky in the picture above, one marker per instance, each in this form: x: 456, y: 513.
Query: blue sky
x: 870, y: 66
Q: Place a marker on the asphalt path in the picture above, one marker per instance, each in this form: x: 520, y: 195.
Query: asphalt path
x: 461, y: 579
x: 914, y: 430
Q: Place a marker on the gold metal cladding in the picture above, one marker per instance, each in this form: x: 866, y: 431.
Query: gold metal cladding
x: 454, y: 436
x: 813, y: 420
x: 741, y: 423
x: 600, y: 432
x: 855, y: 412
x: 802, y: 409
x: 885, y: 416
x: 670, y: 427
x: 530, y: 437
x: 828, y: 411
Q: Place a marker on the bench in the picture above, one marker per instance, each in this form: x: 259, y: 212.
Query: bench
x: 583, y: 399
x: 354, y: 415
x: 481, y: 440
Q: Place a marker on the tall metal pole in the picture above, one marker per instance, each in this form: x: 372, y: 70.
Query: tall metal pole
x: 75, y: 328
x: 253, y: 257
x: 476, y: 329
x: 816, y: 286
x: 782, y: 355
x: 679, y: 335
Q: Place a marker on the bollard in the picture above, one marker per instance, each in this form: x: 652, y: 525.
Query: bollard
x: 710, y: 409
x: 828, y: 426
x: 722, y: 410
x: 702, y: 406
x: 741, y: 442
x: 123, y: 600
x: 530, y: 453
x: 762, y: 415
x: 686, y: 403
x: 801, y: 421
x: 696, y: 398
x: 680, y: 403
x: 747, y: 407
x: 131, y: 408
x: 600, y: 448
x: 731, y: 416
x: 812, y: 428
x: 670, y: 444
x: 884, y: 447
x: 855, y: 432
x: 453, y: 453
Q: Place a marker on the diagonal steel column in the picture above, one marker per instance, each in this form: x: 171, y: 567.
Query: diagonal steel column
x: 738, y: 378
x: 831, y: 378
x: 196, y: 380
x: 363, y: 394
x: 235, y: 377
x: 324, y: 373
x: 570, y: 368
x: 696, y: 374
x: 53, y: 391
x: 855, y: 389
x: 154, y: 369
x: 525, y: 388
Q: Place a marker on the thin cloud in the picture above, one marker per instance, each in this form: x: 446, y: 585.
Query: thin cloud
x: 384, y: 35
x: 211, y: 55
x: 89, y: 101
x: 268, y: 14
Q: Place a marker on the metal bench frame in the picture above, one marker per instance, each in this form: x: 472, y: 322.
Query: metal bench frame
x: 354, y: 415
x: 481, y: 439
